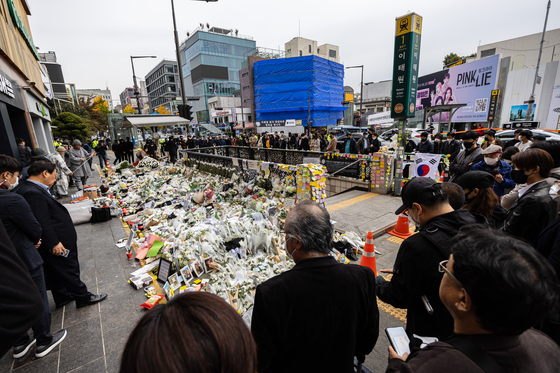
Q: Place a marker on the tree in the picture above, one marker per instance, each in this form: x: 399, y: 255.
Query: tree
x: 128, y: 109
x: 100, y: 105
x: 450, y: 58
x: 70, y: 126
x: 162, y: 110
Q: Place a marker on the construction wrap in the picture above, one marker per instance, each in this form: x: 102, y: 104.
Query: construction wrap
x: 294, y: 88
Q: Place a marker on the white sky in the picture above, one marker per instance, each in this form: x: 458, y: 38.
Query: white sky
x: 94, y: 40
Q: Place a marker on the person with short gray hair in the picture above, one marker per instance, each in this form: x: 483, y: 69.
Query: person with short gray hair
x: 300, y: 314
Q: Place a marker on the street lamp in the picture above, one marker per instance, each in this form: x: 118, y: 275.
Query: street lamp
x: 309, y: 104
x: 183, y: 97
x: 361, y: 87
x: 136, y: 93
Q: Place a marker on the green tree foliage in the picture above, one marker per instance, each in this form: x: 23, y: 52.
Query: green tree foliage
x: 70, y: 126
x: 93, y: 112
x: 450, y: 58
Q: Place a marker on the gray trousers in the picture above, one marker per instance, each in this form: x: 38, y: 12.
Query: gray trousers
x: 80, y: 181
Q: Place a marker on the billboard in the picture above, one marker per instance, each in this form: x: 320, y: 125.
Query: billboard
x: 469, y: 84
x: 519, y: 113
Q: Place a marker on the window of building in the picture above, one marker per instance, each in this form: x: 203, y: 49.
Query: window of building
x: 300, y: 53
x: 309, y: 48
x: 247, y: 100
x: 488, y: 52
x: 332, y: 53
x: 245, y: 74
x: 246, y: 87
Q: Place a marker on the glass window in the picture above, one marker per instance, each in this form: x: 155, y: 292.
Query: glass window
x: 300, y: 53
x: 332, y: 53
x: 247, y: 100
x: 488, y: 52
x: 310, y: 49
x: 245, y: 74
x: 246, y: 87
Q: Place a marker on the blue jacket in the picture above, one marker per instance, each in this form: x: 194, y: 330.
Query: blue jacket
x: 504, y: 169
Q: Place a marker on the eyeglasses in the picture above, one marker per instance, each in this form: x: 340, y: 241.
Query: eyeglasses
x: 443, y: 268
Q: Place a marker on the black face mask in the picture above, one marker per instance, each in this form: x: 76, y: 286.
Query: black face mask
x: 519, y: 177
x: 468, y: 144
x: 467, y: 199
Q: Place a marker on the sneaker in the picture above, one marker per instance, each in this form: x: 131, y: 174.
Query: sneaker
x: 20, y: 351
x: 42, y: 351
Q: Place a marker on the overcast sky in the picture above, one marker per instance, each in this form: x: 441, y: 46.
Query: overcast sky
x: 94, y: 40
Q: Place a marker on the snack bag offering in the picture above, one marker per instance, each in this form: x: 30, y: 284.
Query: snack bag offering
x: 154, y: 299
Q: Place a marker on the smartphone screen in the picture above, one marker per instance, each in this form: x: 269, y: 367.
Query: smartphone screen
x: 399, y: 340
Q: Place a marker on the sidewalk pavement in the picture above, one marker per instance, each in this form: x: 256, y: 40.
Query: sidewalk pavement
x: 97, y: 334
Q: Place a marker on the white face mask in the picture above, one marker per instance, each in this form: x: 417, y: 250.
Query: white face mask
x: 437, y: 140
x: 491, y: 161
x: 12, y: 186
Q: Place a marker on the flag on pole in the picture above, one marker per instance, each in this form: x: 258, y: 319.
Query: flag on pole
x: 426, y: 165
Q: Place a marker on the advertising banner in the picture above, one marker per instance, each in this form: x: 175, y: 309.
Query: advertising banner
x: 519, y: 113
x: 554, y: 113
x: 405, y: 65
x: 380, y: 118
x: 279, y: 123
x: 470, y: 84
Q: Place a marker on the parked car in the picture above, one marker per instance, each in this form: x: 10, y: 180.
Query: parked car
x: 508, y: 135
x: 413, y: 134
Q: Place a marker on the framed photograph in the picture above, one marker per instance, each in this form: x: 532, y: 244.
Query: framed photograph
x: 174, y: 282
x: 197, y: 267
x: 207, y: 262
x: 187, y: 274
x: 164, y: 270
x: 168, y: 290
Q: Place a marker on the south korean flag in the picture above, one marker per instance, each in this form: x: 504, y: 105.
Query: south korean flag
x: 426, y: 165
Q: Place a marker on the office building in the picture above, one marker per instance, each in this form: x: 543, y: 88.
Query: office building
x: 58, y: 88
x: 23, y: 107
x: 300, y: 47
x: 128, y: 97
x: 95, y: 93
x: 162, y: 85
x: 211, y: 58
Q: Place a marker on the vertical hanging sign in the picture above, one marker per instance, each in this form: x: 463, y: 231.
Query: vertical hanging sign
x: 405, y: 65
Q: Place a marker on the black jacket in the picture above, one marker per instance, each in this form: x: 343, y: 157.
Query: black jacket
x: 415, y: 273
x: 293, y: 142
x: 302, y: 314
x: 55, y: 220
x: 361, y: 146
x: 21, y: 303
x: 22, y: 227
x: 531, y: 213
x: 438, y: 147
x: 190, y: 144
x: 452, y: 148
x: 304, y: 144
x: 24, y: 155
x: 353, y: 146
x: 425, y: 147
x: 548, y: 244
x: 101, y: 149
x: 374, y: 145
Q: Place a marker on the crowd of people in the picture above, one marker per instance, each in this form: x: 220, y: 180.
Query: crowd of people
x: 480, y: 275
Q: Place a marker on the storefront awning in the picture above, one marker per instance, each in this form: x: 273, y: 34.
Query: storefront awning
x: 154, y: 121
x: 248, y: 126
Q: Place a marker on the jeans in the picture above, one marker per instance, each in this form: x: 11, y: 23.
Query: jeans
x: 102, y: 160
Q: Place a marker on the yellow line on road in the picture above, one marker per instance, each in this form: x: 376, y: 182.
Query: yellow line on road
x: 351, y: 201
x: 98, y: 170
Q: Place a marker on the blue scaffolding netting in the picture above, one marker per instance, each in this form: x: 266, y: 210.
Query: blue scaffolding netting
x: 282, y: 87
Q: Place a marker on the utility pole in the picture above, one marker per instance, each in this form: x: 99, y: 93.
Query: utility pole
x: 183, y: 97
x: 361, y: 87
x: 136, y: 93
x: 531, y: 100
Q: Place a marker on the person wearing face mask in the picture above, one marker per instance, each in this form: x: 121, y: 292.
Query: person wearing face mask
x: 438, y: 143
x: 413, y: 271
x: 467, y: 157
x: 525, y: 137
x: 302, y: 313
x: 373, y: 141
x: 489, y: 137
x: 451, y: 147
x: 533, y: 210
x: 480, y: 197
x: 425, y: 145
x: 25, y: 234
x: 500, y: 170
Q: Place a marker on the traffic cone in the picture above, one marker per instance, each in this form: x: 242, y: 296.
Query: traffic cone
x: 108, y: 165
x: 402, y: 229
x: 368, y: 258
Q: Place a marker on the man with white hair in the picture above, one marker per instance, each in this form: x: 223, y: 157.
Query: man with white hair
x: 62, y: 172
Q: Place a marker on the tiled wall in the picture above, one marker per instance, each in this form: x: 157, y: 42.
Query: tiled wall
x: 337, y: 185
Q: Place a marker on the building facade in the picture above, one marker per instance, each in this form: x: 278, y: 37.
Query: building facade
x: 211, y: 59
x: 127, y: 97
x: 94, y: 93
x: 300, y: 47
x: 23, y: 109
x: 162, y: 84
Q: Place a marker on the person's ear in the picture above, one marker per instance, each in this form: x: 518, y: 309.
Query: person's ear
x: 5, y: 175
x: 464, y: 302
x: 537, y: 169
x: 418, y: 208
x: 476, y: 191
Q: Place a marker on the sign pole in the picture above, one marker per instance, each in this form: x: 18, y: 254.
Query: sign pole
x: 406, y: 59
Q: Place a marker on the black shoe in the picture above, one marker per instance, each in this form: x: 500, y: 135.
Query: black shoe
x: 92, y: 300
x: 42, y: 351
x: 350, y: 255
x: 20, y: 351
x: 64, y: 303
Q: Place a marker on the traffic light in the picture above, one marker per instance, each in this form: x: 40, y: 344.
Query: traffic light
x: 345, y: 103
x: 185, y: 111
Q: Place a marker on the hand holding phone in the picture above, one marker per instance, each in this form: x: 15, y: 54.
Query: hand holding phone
x: 399, y: 340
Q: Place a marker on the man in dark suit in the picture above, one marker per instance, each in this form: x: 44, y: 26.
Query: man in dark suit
x: 301, y: 314
x: 129, y: 146
x: 59, y: 247
x: 25, y: 234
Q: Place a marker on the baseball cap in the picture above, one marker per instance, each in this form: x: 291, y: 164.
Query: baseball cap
x: 475, y: 179
x: 418, y: 190
x: 492, y: 149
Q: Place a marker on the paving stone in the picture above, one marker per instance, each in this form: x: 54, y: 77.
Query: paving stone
x: 82, y: 345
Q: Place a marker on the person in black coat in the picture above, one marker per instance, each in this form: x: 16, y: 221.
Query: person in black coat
x: 451, y: 147
x: 25, y: 234
x: 318, y: 304
x: 58, y: 238
x: 425, y: 145
x: 373, y: 142
x: 190, y: 142
x: 172, y: 149
x: 534, y: 209
x: 548, y: 244
x: 116, y: 148
x: 22, y: 304
x: 350, y: 146
x: 24, y: 152
x: 292, y: 143
x: 129, y: 146
x: 415, y: 272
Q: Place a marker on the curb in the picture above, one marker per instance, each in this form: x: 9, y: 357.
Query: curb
x: 381, y: 231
